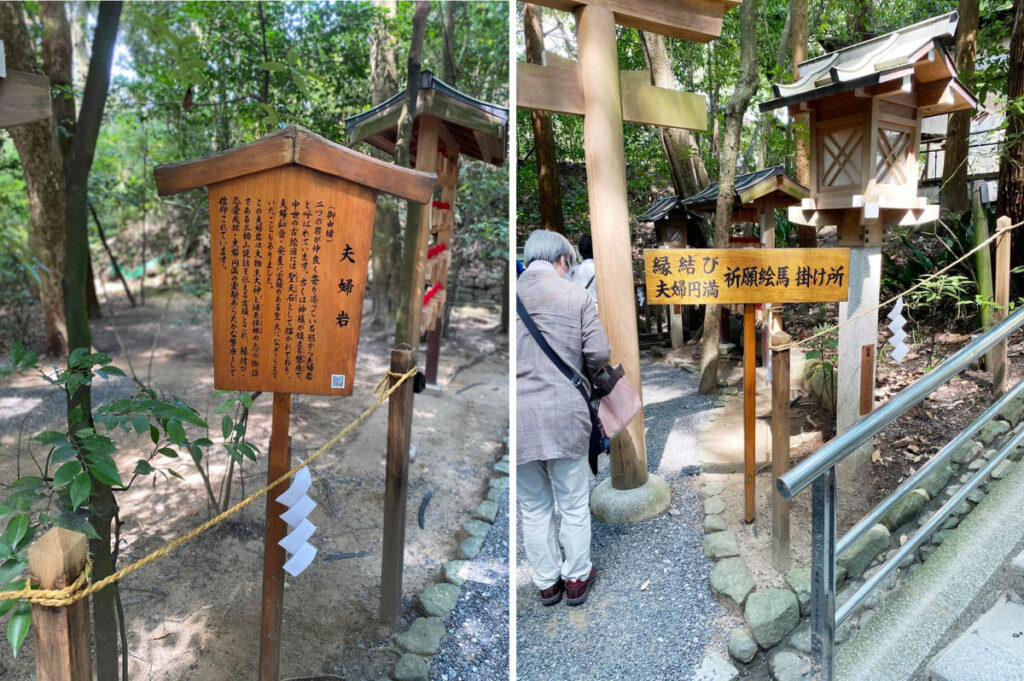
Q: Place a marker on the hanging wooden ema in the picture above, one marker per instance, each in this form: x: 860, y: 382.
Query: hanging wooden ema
x: 685, y: 276
x: 291, y: 218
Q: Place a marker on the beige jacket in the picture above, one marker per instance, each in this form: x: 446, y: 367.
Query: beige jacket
x: 552, y: 419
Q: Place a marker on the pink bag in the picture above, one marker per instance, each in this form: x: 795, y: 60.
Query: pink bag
x: 620, y: 403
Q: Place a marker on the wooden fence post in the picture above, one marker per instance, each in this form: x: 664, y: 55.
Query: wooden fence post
x: 62, y: 638
x: 749, y: 411
x: 1002, y: 298
x: 396, y: 488
x: 780, y: 450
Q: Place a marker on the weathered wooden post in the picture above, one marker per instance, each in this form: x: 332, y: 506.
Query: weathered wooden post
x: 865, y: 105
x: 291, y: 217
x: 999, y: 357
x: 780, y: 449
x: 447, y: 125
x: 748, y: 276
x: 62, y: 636
x: 594, y: 88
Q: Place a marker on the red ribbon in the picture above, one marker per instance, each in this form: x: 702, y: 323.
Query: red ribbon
x: 436, y: 250
x: 444, y: 205
x: 432, y: 292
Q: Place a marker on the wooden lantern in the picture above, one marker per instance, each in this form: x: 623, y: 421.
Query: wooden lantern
x: 865, y: 105
x: 291, y: 221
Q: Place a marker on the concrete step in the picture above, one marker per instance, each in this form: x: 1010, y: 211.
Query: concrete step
x: 992, y: 648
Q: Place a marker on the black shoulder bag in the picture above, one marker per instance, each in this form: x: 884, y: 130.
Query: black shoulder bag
x: 599, y: 444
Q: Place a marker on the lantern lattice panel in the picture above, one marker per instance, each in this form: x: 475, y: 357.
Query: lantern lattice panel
x: 891, y: 155
x: 841, y: 157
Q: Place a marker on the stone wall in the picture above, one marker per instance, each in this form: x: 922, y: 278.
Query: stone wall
x: 479, y: 286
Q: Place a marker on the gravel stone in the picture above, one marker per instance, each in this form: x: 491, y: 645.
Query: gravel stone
x: 771, y: 614
x: 498, y: 483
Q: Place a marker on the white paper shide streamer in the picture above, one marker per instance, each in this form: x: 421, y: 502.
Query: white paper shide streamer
x: 898, y: 339
x: 296, y: 542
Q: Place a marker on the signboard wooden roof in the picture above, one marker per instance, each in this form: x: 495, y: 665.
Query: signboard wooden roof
x: 480, y: 129
x: 771, y: 182
x: 291, y: 221
x: 688, y: 276
x: 695, y: 20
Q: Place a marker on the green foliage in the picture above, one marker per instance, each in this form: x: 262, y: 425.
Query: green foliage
x: 820, y: 366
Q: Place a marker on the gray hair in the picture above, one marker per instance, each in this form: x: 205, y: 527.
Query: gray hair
x: 548, y: 246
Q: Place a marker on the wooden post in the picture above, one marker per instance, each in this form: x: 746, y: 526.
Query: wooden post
x: 396, y: 489
x: 448, y: 187
x: 780, y: 450
x: 609, y: 222
x: 867, y: 379
x: 273, y: 554
x: 1002, y: 300
x: 62, y: 643
x: 749, y: 409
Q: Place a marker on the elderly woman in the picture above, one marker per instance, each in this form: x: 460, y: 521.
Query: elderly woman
x: 553, y: 420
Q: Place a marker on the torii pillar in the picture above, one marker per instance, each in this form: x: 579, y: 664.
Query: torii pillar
x: 595, y: 88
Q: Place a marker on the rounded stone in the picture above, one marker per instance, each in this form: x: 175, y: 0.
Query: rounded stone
x: 721, y: 545
x: 713, y: 523
x: 711, y: 489
x: 785, y: 665
x: 858, y: 557
x: 732, y: 582
x: 455, y: 571
x: 470, y: 547
x: 615, y: 506
x: 476, y: 528
x: 498, y: 483
x: 424, y: 636
x: 799, y: 580
x: 742, y: 645
x: 487, y: 510
x: 411, y: 668
x: 771, y: 614
x: 714, y: 506
x: 438, y: 600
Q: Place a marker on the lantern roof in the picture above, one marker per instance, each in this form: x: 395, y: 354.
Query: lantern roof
x: 909, y: 58
x: 479, y: 128
x: 773, y: 182
x: 295, y: 145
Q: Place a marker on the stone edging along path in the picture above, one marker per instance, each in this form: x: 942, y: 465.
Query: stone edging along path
x: 778, y: 616
x: 436, y: 602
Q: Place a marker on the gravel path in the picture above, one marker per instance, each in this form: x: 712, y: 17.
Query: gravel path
x: 650, y: 615
x: 477, y: 646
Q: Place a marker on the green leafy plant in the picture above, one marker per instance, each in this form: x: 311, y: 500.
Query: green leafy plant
x: 820, y: 366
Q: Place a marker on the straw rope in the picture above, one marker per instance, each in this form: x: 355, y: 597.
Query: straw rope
x: 80, y: 588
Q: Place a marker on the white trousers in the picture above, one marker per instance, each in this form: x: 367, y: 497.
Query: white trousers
x: 539, y: 484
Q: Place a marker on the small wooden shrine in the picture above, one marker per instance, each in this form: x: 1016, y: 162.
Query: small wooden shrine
x: 447, y: 124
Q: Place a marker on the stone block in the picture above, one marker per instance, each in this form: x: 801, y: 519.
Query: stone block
x: 455, y: 571
x: 937, y: 479
x: 799, y: 580
x: 487, y: 510
x: 470, y: 547
x: 906, y: 510
x: 438, y: 600
x: 713, y: 523
x: 771, y: 614
x: 742, y: 645
x: 424, y: 636
x: 785, y: 665
x: 711, y: 489
x: 476, y: 528
x: 993, y: 429
x: 411, y: 668
x: 721, y: 545
x: 714, y: 506
x: 860, y: 554
x: 732, y: 582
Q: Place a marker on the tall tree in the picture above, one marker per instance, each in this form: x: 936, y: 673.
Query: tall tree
x: 1011, y: 163
x: 807, y: 235
x: 41, y: 162
x: 953, y: 194
x: 405, y: 332
x: 77, y: 166
x: 746, y: 86
x: 450, y: 71
x: 543, y: 135
x: 387, y: 246
x: 684, y: 161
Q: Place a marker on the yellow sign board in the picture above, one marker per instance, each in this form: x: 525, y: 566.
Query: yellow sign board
x: 698, y: 276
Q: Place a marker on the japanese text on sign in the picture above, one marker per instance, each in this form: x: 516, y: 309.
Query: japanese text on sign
x: 690, y: 276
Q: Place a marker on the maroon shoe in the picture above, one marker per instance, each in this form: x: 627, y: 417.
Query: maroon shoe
x: 576, y: 590
x: 553, y: 593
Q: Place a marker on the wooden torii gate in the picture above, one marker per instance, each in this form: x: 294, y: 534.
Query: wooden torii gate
x: 595, y: 89
x: 447, y: 124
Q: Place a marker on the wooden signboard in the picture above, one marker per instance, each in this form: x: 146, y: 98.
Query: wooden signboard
x: 689, y: 276
x: 289, y: 249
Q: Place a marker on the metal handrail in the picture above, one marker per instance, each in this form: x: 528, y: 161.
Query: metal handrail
x: 819, y: 472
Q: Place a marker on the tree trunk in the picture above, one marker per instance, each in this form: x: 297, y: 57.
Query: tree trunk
x: 860, y: 20
x: 746, y: 86
x: 56, y: 48
x: 684, y: 162
x: 76, y: 171
x: 386, y: 253
x: 550, y: 191
x: 92, y: 301
x: 449, y: 70
x: 1011, y: 164
x: 404, y: 327
x: 44, y: 181
x: 807, y: 236
x: 953, y: 193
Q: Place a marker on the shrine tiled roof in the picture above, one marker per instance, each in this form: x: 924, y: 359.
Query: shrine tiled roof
x: 749, y: 187
x: 914, y: 54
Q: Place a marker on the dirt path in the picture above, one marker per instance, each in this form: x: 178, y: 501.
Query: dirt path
x: 195, y: 613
